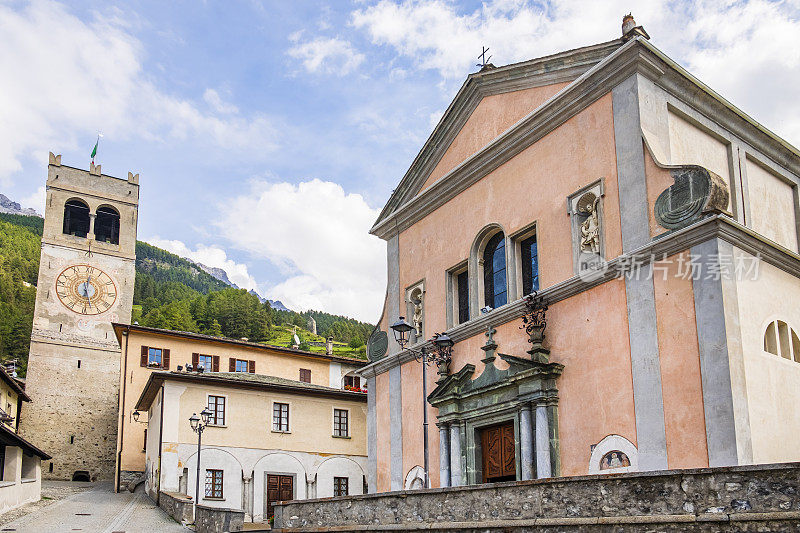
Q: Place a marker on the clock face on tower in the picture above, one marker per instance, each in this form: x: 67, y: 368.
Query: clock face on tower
x: 86, y: 289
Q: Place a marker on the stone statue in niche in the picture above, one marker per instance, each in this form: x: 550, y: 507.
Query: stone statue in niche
x: 590, y: 228
x: 416, y: 320
x: 614, y: 459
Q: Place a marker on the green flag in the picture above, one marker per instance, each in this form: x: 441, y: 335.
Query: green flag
x: 94, y: 150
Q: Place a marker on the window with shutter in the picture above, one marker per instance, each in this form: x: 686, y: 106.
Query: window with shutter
x: 305, y: 375
x: 231, y: 365
x: 206, y: 361
x: 252, y: 367
x: 165, y: 359
x: 215, y: 363
x: 143, y: 361
x: 195, y: 357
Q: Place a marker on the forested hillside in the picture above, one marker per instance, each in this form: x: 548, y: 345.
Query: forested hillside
x: 170, y: 292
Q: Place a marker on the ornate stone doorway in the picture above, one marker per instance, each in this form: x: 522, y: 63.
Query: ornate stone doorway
x: 502, y: 425
x: 498, y: 448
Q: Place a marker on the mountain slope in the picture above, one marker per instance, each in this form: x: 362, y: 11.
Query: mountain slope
x: 170, y: 292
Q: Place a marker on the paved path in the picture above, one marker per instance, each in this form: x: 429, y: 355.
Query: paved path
x: 96, y: 510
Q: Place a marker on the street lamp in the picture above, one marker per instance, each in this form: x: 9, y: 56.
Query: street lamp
x: 441, y: 355
x: 198, y: 426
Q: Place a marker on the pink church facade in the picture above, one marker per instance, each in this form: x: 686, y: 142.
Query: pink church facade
x: 660, y: 225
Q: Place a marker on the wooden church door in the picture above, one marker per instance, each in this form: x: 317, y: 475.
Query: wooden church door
x: 499, y: 453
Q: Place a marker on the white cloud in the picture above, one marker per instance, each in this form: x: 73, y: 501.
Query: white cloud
x: 317, y: 233
x: 325, y: 55
x: 746, y: 51
x: 36, y: 200
x: 214, y: 100
x: 65, y: 78
x: 211, y: 256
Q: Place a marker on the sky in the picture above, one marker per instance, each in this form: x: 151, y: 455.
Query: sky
x: 268, y: 135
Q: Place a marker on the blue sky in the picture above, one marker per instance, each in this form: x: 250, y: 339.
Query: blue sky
x: 268, y: 134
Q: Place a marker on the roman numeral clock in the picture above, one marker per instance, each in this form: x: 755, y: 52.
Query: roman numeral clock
x: 86, y: 289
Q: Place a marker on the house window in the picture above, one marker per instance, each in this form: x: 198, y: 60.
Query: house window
x: 216, y: 404
x: 154, y: 356
x: 206, y: 361
x: 76, y: 218
x: 352, y: 381
x: 462, y: 288
x: 241, y: 365
x: 305, y: 375
x: 214, y: 484
x: 280, y: 416
x: 530, y: 265
x: 494, y: 272
x: 106, y: 225
x: 340, y: 487
x: 340, y: 423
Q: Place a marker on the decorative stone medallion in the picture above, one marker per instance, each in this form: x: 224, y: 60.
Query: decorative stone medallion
x: 696, y: 193
x: 378, y: 344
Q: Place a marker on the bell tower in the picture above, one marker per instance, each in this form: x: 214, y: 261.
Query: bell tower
x: 86, y: 280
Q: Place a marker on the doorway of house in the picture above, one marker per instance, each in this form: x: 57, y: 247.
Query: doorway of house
x: 279, y: 488
x: 498, y: 448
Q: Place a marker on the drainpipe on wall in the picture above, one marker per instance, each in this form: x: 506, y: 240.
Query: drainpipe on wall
x: 160, y: 436
x: 118, y: 474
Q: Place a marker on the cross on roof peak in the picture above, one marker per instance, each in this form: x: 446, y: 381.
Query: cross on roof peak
x: 483, y: 58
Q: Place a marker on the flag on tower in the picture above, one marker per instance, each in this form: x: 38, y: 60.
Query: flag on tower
x: 94, y: 150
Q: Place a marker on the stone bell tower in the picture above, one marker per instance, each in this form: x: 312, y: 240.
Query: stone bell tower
x: 86, y: 280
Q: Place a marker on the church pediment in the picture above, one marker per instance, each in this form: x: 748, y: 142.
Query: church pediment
x: 487, y: 104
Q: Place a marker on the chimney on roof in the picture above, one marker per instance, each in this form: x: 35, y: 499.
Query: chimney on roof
x: 630, y: 29
x: 329, y: 346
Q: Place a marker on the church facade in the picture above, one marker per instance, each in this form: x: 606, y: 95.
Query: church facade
x: 613, y: 248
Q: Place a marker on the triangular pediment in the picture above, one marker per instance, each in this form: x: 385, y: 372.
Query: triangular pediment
x: 502, y: 96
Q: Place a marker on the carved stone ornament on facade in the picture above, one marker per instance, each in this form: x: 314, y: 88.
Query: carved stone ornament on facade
x: 696, y: 193
x: 377, y: 345
x: 534, y: 322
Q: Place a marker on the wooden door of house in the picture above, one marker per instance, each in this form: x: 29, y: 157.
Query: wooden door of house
x: 498, y: 448
x: 279, y: 489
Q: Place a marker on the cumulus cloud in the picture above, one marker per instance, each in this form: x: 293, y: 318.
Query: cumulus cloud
x: 66, y: 77
x: 318, y: 234
x: 744, y: 50
x: 36, y: 200
x: 211, y: 256
x: 326, y: 55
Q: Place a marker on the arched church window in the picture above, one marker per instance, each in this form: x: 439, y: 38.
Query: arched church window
x: 494, y: 272
x: 106, y: 225
x: 76, y: 218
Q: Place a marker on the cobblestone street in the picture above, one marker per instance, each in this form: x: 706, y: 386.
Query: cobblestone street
x: 89, y: 507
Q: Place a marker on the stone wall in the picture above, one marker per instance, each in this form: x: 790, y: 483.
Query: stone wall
x: 745, y: 498
x: 178, y: 506
x: 216, y: 520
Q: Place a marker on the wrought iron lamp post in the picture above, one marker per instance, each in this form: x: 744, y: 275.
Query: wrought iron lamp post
x: 198, y: 426
x: 441, y: 356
